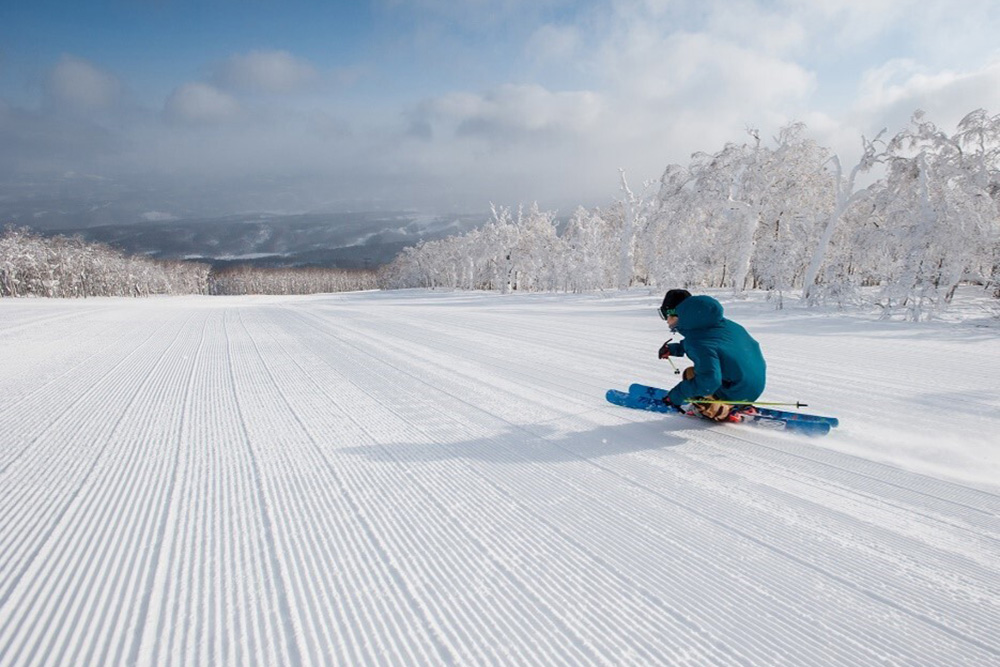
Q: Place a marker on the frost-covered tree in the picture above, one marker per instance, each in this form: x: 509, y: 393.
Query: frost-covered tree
x: 590, y: 243
x: 32, y: 265
x: 255, y: 280
x: 671, y: 243
x: 939, y: 216
x: 626, y: 252
x: 776, y: 215
x: 979, y: 136
x: 793, y: 197
x: 743, y: 217
x: 845, y: 195
x: 521, y: 251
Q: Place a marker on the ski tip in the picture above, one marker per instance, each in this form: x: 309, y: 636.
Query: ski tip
x: 615, y: 396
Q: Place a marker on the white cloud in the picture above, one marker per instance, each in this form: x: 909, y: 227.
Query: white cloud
x: 882, y: 86
x: 265, y: 72
x: 513, y: 111
x: 889, y: 94
x: 940, y: 33
x: 561, y: 98
x: 750, y: 24
x: 200, y: 103
x: 78, y: 85
x: 554, y: 43
x: 846, y: 24
x: 698, y: 71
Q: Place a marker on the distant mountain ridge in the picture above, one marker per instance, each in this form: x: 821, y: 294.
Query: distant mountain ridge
x: 341, y: 240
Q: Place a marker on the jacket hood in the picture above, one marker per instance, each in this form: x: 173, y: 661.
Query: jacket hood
x: 698, y: 312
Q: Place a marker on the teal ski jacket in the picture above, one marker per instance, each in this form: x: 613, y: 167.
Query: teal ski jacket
x: 727, y: 360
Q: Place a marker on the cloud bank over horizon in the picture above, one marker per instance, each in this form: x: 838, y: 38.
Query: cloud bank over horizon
x: 448, y: 106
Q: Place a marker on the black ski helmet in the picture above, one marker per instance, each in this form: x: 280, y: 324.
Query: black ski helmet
x: 671, y: 300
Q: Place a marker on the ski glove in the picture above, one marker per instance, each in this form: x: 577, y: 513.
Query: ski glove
x: 715, y: 411
x: 665, y: 350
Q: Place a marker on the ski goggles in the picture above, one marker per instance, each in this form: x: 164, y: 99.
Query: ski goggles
x: 666, y: 312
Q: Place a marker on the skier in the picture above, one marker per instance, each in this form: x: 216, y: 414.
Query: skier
x: 728, y: 364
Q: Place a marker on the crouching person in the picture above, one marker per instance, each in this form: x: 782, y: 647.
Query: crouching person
x: 728, y: 363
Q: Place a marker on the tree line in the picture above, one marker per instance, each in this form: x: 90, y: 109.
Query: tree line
x: 783, y: 216
x: 59, y: 266
x: 255, y: 280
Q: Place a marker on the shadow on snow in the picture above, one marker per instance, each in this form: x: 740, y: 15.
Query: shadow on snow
x: 540, y: 444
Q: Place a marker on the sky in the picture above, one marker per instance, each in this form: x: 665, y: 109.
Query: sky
x: 219, y: 107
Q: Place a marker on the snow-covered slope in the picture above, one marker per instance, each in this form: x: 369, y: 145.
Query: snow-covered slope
x: 421, y: 478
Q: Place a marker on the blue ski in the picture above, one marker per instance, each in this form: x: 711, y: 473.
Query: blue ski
x: 653, y: 405
x: 658, y: 394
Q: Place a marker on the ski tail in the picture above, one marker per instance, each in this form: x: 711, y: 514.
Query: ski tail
x: 796, y: 416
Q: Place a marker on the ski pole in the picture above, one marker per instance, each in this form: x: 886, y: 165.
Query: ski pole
x: 796, y: 404
x: 677, y: 371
